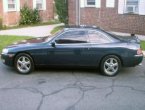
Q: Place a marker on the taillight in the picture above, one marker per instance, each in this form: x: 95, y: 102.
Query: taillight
x: 139, y: 52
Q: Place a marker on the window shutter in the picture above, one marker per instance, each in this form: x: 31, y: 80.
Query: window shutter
x: 5, y: 5
x: 44, y: 4
x: 82, y: 3
x: 142, y: 7
x: 18, y: 5
x: 98, y: 3
x: 110, y: 3
x: 121, y: 5
x: 34, y: 4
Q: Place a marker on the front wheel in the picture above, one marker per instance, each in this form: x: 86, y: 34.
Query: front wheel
x: 110, y: 65
x: 24, y: 63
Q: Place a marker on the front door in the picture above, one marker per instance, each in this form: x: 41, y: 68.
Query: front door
x: 70, y: 49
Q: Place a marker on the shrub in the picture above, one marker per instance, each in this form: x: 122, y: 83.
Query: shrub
x: 62, y: 10
x: 29, y: 16
x: 35, y: 16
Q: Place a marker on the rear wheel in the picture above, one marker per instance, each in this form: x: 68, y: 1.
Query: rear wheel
x: 24, y: 63
x: 110, y: 65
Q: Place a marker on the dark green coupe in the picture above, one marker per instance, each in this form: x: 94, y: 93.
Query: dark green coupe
x: 73, y: 47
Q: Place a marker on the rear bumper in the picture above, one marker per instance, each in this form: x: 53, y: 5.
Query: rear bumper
x: 7, y: 59
x: 138, y: 59
x: 133, y: 61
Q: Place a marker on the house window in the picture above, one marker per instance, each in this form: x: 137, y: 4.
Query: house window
x: 91, y: 2
x: 110, y: 3
x: 132, y: 6
x: 11, y: 5
x: 39, y: 4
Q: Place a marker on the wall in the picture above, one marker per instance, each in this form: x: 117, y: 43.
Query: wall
x: 72, y: 12
x: 13, y: 17
x: 109, y: 19
x: 49, y: 12
x: 1, y: 9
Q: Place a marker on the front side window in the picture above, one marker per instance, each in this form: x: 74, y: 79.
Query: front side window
x: 97, y: 37
x: 132, y: 6
x: 72, y: 37
x: 91, y: 2
x: 39, y: 4
x: 11, y: 5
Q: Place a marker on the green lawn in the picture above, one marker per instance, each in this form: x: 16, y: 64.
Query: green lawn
x: 7, y: 40
x: 143, y: 45
x: 56, y: 29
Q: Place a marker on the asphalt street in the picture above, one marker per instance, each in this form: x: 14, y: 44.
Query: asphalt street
x: 70, y: 89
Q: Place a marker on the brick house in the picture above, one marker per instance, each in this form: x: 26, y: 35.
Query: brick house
x: 10, y: 10
x: 115, y: 15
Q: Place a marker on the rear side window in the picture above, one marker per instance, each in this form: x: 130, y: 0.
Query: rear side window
x: 97, y: 37
x: 72, y: 37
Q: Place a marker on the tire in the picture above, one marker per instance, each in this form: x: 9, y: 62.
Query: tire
x: 24, y: 64
x: 110, y: 65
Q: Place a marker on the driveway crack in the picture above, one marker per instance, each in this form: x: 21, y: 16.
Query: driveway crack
x: 112, y: 89
x: 132, y: 88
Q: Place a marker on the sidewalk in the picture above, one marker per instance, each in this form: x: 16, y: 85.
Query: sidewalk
x: 38, y: 31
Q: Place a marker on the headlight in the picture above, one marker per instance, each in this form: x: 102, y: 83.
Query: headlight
x: 5, y: 51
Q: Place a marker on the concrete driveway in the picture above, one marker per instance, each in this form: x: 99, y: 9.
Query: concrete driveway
x: 72, y: 90
x: 38, y: 31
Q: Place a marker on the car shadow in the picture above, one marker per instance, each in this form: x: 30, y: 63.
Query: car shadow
x: 70, y: 70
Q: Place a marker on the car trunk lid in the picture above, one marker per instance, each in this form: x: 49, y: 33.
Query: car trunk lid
x: 130, y: 39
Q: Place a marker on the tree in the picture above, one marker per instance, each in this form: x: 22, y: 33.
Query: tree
x: 62, y: 10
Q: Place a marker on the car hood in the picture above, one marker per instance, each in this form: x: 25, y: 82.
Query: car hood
x: 28, y: 42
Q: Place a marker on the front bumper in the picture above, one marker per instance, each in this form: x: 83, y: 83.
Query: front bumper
x: 7, y: 59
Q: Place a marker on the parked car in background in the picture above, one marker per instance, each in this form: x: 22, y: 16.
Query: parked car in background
x: 73, y: 47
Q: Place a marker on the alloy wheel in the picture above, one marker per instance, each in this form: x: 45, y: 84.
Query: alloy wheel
x: 111, y: 66
x: 23, y: 64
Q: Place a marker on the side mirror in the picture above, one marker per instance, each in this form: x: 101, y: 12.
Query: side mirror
x: 53, y: 44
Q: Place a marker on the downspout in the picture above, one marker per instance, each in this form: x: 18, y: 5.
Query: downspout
x: 79, y: 12
x: 76, y: 12
x: 100, y: 17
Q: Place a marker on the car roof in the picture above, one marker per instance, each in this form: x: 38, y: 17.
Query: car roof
x: 81, y: 27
